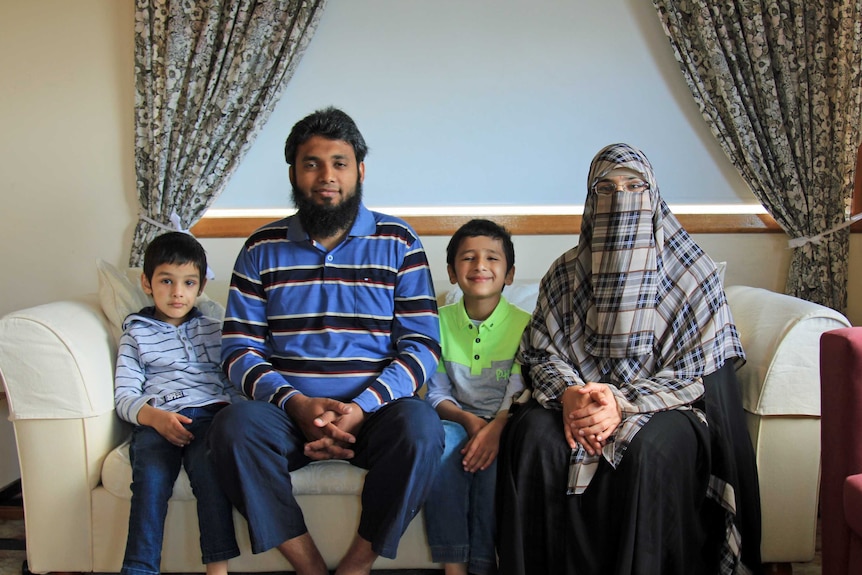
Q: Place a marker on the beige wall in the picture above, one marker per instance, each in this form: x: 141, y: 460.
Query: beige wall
x: 67, y: 175
x: 66, y: 149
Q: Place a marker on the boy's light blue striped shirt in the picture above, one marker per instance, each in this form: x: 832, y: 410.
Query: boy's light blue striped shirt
x: 169, y: 367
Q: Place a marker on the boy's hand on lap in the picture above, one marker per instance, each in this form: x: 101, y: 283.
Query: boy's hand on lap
x: 481, y: 449
x: 472, y: 424
x: 170, y: 425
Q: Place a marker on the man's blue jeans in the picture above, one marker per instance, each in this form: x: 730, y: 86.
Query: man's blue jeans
x: 459, y: 511
x: 155, y: 467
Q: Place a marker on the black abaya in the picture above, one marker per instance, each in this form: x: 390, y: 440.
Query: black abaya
x: 651, y: 515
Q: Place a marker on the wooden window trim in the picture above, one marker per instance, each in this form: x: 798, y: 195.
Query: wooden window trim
x: 532, y: 225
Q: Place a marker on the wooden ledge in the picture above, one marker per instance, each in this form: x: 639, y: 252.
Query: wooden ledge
x: 242, y: 227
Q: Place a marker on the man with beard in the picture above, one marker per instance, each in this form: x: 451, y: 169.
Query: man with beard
x: 331, y: 328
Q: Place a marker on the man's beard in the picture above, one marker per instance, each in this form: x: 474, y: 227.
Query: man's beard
x: 326, y: 221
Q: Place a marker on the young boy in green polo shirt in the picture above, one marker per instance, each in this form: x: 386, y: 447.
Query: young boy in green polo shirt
x: 472, y: 389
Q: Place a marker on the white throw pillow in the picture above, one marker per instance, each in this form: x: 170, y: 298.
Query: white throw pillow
x: 121, y: 294
x: 208, y: 306
x: 118, y: 296
x: 523, y: 295
x: 722, y: 268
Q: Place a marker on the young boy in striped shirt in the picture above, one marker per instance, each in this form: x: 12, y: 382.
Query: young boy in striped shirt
x: 472, y: 389
x: 170, y: 385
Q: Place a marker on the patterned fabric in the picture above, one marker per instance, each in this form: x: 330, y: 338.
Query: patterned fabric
x: 684, y: 304
x: 207, y: 76
x: 675, y: 291
x: 621, y: 318
x: 356, y: 323
x: 780, y: 85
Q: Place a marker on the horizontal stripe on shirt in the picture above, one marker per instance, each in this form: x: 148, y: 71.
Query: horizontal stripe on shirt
x: 356, y: 323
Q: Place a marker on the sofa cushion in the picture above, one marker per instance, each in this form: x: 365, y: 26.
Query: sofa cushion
x: 119, y: 297
x: 524, y: 293
x: 120, y: 293
x: 319, y: 477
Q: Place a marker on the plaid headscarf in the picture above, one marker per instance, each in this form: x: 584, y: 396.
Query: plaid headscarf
x: 637, y: 304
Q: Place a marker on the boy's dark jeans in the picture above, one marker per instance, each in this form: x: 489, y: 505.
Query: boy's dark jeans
x: 155, y: 467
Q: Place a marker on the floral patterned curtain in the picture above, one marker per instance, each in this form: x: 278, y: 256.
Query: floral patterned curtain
x: 207, y: 76
x: 779, y: 83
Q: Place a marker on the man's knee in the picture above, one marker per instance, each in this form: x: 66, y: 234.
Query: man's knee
x: 237, y: 423
x: 402, y: 435
x: 418, y: 428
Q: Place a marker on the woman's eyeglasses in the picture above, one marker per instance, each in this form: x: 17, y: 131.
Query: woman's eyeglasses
x: 607, y: 187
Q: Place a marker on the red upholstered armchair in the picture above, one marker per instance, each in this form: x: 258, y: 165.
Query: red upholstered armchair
x: 841, y: 440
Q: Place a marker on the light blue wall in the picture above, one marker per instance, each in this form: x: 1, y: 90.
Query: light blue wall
x: 494, y: 102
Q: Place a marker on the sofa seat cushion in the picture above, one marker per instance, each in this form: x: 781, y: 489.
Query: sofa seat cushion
x: 317, y: 478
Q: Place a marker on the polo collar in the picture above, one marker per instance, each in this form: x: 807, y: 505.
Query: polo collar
x: 500, y: 313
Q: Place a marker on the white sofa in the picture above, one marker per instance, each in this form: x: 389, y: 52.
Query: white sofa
x: 57, y: 361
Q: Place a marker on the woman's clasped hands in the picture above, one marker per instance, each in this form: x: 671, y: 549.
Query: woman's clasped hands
x: 590, y: 416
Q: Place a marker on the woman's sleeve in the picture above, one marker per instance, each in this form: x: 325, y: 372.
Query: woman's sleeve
x: 540, y: 353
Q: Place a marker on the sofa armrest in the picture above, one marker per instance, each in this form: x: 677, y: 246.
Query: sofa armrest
x: 853, y: 503
x: 841, y: 386
x: 781, y: 338
x: 57, y: 365
x: 841, y: 436
x: 57, y: 361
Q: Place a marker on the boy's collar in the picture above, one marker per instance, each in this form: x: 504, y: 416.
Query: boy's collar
x: 497, y: 316
x: 149, y: 312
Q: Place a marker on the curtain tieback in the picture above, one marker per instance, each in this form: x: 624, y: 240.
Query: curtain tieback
x: 816, y: 239
x: 175, y: 220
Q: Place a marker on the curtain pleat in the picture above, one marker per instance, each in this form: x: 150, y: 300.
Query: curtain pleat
x: 208, y: 74
x: 779, y: 84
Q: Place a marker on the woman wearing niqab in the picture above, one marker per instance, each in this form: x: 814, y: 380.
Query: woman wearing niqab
x: 631, y: 454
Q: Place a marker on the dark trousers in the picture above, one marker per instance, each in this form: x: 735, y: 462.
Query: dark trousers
x: 641, y: 518
x: 649, y: 516
x: 255, y: 446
